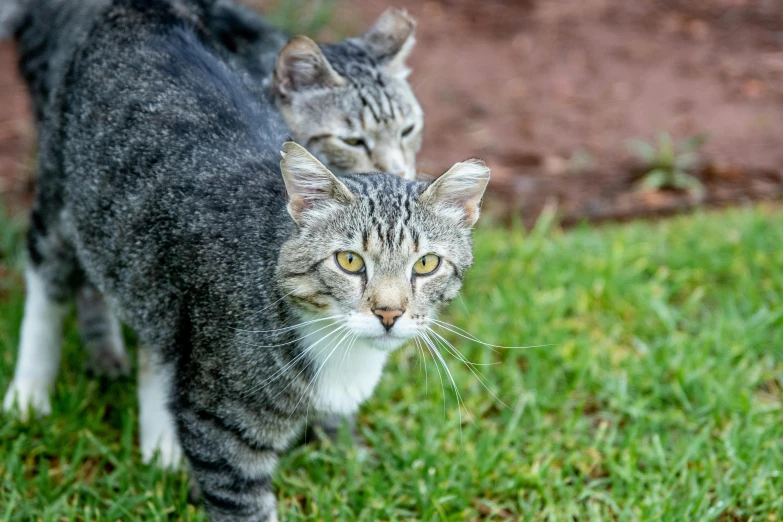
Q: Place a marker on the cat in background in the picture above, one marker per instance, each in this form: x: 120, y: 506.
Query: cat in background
x: 262, y: 291
x: 349, y: 103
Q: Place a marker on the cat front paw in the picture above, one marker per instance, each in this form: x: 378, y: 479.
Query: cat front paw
x: 29, y: 395
x: 163, y: 445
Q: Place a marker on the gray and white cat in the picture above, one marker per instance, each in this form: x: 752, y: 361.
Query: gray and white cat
x: 355, y: 110
x: 262, y: 291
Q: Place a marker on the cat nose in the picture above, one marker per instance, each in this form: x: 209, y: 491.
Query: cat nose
x: 395, y: 169
x: 391, y: 162
x: 388, y: 316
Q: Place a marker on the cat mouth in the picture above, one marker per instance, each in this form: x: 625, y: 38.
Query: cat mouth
x: 389, y: 341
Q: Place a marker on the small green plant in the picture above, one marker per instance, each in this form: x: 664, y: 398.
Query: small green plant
x: 580, y: 161
x: 667, y: 163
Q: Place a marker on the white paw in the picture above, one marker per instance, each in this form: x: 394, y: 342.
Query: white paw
x: 29, y: 395
x: 165, y: 446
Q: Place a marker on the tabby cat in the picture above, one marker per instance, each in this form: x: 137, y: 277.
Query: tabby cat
x: 355, y: 110
x: 349, y: 103
x: 262, y: 291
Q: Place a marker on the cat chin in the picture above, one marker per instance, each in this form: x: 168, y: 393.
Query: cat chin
x: 370, y: 330
x: 387, y: 342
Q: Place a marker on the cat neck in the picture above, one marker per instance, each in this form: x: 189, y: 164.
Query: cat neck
x: 344, y: 369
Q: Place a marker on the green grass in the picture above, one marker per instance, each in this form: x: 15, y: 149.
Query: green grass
x: 308, y: 17
x: 660, y: 398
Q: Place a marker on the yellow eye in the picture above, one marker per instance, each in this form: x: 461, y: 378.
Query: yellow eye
x: 351, y: 262
x: 354, y: 142
x: 426, y: 264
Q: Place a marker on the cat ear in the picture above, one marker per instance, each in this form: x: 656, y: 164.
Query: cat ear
x: 302, y: 65
x: 460, y: 189
x: 390, y: 40
x: 308, y: 182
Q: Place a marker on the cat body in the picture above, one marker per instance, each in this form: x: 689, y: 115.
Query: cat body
x: 318, y: 103
x: 263, y: 293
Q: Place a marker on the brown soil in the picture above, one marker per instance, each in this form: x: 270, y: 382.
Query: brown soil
x: 16, y: 134
x: 549, y: 92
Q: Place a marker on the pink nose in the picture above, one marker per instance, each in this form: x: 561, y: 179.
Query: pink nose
x: 388, y: 316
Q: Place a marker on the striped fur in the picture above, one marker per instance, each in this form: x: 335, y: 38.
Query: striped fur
x: 160, y: 185
x: 368, y: 98
x: 374, y: 99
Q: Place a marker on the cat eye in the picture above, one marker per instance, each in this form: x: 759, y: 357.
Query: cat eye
x: 426, y: 264
x: 354, y: 142
x: 350, y: 262
x: 407, y: 131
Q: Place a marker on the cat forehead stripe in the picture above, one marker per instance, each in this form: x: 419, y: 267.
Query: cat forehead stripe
x: 365, y: 75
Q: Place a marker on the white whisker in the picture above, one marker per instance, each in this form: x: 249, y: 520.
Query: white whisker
x: 289, y: 342
x: 450, y: 347
x: 423, y: 359
x: 310, y: 349
x: 460, y: 402
x: 293, y: 361
x: 440, y: 377
x: 293, y: 327
x: 317, y: 373
x: 469, y: 336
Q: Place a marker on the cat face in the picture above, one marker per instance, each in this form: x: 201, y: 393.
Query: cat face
x: 381, y: 254
x: 350, y: 103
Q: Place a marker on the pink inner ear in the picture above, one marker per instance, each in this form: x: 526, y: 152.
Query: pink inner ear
x: 297, y: 204
x: 301, y: 65
x: 471, y: 211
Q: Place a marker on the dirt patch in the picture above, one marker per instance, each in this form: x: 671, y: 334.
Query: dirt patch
x: 16, y: 134
x: 549, y: 92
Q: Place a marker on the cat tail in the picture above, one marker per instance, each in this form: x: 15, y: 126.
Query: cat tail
x: 11, y: 14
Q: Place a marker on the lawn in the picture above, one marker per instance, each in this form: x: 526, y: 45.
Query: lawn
x: 658, y: 396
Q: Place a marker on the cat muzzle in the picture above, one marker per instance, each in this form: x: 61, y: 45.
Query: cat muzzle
x: 388, y: 316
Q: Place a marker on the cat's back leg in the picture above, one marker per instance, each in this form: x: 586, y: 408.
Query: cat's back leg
x: 101, y: 334
x: 51, y: 276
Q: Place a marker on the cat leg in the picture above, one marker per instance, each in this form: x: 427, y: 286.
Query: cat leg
x: 39, y: 349
x: 232, y: 468
x: 158, y: 434
x: 101, y: 334
x: 52, y: 274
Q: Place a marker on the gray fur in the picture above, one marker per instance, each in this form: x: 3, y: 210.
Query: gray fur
x: 10, y: 13
x: 160, y: 186
x: 49, y: 31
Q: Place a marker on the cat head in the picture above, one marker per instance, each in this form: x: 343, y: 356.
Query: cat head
x: 349, y: 103
x: 380, y: 253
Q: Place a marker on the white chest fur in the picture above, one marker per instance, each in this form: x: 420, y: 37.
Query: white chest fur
x: 347, y: 372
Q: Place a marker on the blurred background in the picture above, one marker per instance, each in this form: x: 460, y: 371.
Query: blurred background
x: 610, y: 109
x: 651, y: 383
